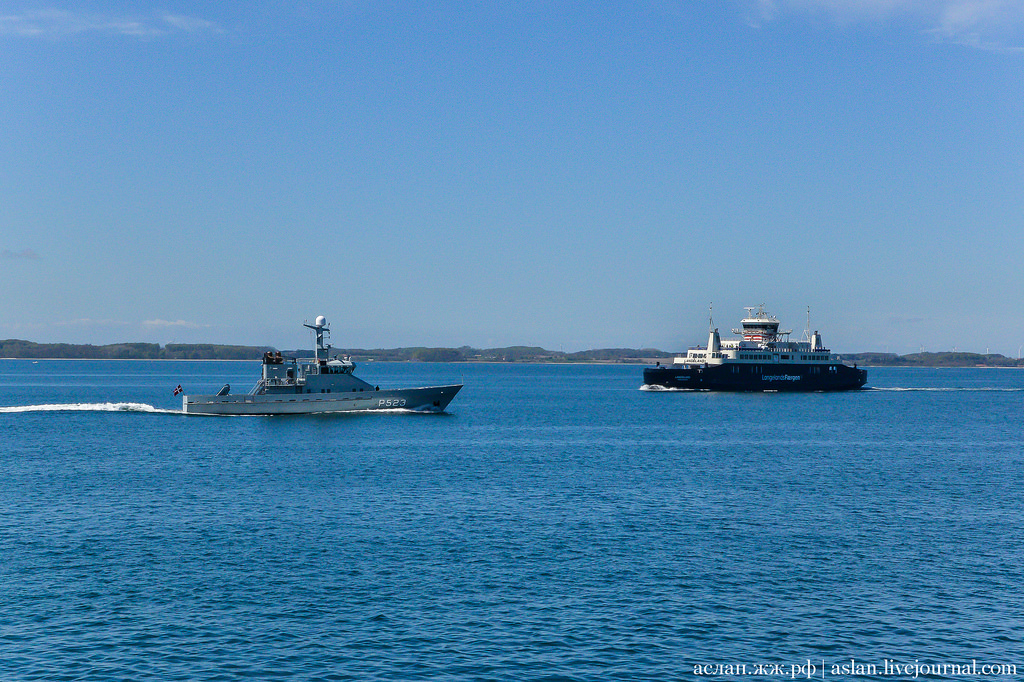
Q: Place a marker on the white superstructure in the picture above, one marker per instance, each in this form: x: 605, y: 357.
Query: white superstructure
x: 761, y: 342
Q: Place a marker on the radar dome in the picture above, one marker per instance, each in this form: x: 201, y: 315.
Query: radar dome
x: 321, y: 321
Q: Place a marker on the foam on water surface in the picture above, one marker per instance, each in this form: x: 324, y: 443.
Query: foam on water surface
x: 89, y: 407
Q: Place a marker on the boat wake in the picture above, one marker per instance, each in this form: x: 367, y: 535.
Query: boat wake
x: 656, y: 387
x: 89, y: 407
x: 947, y: 389
x: 891, y: 389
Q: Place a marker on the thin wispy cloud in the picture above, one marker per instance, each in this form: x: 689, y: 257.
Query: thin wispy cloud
x: 986, y: 24
x: 25, y: 254
x: 88, y: 322
x: 56, y: 23
x: 163, y: 324
x: 189, y: 24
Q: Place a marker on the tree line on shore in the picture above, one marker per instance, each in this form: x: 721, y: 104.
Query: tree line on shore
x: 15, y: 348
x: 943, y: 359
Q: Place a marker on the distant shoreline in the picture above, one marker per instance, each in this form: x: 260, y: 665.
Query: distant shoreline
x: 637, y: 363
x: 628, y: 363
x: 14, y: 349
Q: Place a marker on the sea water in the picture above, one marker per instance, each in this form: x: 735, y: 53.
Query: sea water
x: 557, y: 523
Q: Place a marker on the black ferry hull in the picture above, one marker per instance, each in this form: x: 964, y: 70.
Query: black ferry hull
x: 750, y: 377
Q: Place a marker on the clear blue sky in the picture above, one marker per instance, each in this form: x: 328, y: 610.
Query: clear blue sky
x: 563, y: 174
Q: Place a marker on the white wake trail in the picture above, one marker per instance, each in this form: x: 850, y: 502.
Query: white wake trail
x: 949, y: 389
x: 89, y: 407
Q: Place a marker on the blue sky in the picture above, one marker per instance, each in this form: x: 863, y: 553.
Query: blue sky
x: 569, y: 175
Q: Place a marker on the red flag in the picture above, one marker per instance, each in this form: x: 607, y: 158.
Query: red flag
x: 178, y: 390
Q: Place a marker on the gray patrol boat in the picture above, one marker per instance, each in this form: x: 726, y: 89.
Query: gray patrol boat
x: 318, y: 384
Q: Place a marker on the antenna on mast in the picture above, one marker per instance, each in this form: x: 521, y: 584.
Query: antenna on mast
x: 320, y: 326
x: 711, y: 318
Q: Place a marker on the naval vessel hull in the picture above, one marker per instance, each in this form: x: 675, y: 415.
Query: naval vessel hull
x: 429, y: 399
x: 740, y: 377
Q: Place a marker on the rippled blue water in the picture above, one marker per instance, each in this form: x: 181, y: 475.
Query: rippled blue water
x: 558, y: 523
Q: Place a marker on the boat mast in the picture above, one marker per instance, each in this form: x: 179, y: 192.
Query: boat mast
x: 319, y: 327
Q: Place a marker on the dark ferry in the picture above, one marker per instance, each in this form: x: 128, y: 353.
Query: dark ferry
x: 763, y: 360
